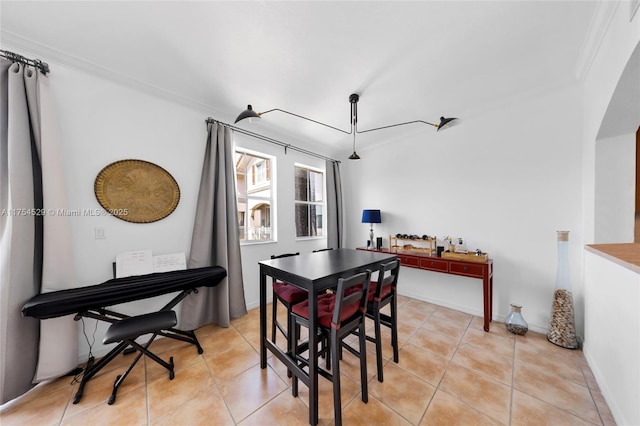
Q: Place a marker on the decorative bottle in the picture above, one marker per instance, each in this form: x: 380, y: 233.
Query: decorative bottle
x: 562, y: 330
x: 515, y: 323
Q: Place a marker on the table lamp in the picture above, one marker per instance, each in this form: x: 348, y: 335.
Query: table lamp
x: 371, y: 217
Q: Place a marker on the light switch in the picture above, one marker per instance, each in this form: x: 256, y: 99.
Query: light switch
x: 99, y: 233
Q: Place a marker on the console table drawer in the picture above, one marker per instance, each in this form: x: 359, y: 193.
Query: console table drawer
x: 466, y: 269
x: 434, y: 265
x: 412, y: 261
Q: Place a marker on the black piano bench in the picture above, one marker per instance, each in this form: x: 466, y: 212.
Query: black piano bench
x: 127, y: 330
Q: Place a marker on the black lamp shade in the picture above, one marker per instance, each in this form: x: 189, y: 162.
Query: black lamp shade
x: 354, y: 156
x: 371, y: 216
x: 247, y: 113
x: 444, y: 123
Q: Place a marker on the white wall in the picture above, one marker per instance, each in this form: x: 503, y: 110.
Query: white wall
x: 506, y: 180
x: 102, y: 122
x: 615, y: 189
x: 612, y: 341
x: 610, y: 51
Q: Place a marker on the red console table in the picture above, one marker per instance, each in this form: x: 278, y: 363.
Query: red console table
x: 483, y: 271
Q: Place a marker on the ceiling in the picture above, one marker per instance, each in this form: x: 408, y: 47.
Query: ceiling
x: 407, y: 60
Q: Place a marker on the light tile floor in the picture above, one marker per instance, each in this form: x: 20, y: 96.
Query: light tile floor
x: 450, y: 373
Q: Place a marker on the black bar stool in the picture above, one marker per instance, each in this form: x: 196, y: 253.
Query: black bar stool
x: 288, y: 295
x: 382, y: 293
x: 339, y: 314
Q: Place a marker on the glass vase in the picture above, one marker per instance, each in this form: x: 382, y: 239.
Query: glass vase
x: 562, y: 331
x: 515, y: 323
x: 563, y: 275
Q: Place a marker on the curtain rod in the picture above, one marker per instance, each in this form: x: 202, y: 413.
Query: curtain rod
x: 271, y: 140
x: 42, y: 66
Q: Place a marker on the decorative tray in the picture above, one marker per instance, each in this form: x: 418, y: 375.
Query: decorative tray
x: 466, y: 257
x: 137, y: 191
x: 410, y: 247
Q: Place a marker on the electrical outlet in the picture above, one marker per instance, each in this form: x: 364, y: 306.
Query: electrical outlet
x: 99, y: 233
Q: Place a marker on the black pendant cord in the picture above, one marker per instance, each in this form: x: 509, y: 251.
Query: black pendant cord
x: 271, y: 140
x: 42, y: 66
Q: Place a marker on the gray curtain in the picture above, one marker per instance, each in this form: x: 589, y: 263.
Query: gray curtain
x: 335, y: 237
x: 26, y: 263
x: 215, y: 240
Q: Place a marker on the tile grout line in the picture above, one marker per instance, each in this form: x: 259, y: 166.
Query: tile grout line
x: 591, y: 394
x: 513, y: 379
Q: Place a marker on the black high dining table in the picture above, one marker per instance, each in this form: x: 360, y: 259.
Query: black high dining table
x: 313, y: 272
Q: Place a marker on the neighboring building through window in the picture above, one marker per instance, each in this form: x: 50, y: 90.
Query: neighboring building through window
x: 309, y: 202
x: 255, y: 195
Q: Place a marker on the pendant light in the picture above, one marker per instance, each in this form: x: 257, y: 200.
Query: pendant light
x: 247, y: 113
x: 353, y: 100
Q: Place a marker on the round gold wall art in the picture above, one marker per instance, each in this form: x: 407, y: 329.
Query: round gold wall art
x: 137, y: 191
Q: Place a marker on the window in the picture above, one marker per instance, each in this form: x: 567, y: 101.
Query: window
x: 309, y: 202
x: 255, y: 195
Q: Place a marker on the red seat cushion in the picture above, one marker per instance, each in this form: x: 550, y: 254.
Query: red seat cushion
x: 326, y: 305
x: 289, y: 293
x: 372, y: 290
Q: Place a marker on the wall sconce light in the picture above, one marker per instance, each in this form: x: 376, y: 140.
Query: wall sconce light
x: 353, y: 100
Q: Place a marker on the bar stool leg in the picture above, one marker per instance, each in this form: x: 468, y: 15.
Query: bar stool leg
x: 294, y: 354
x: 335, y: 377
x: 378, y: 333
x: 394, y: 328
x: 363, y: 364
x: 274, y: 316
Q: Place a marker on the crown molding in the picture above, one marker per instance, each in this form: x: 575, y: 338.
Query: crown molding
x: 47, y: 53
x: 600, y: 22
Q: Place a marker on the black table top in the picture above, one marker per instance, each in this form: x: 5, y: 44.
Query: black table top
x: 312, y: 267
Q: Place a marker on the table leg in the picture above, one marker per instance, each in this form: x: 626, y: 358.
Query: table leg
x: 313, y: 358
x: 263, y: 319
x: 486, y: 295
x: 491, y: 298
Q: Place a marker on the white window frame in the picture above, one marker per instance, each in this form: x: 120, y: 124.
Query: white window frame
x: 323, y: 203
x: 271, y: 200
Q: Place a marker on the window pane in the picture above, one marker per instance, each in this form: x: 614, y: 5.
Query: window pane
x: 261, y: 172
x: 316, y: 215
x: 313, y: 228
x: 253, y: 192
x: 241, y: 175
x: 309, y: 206
x: 302, y: 220
x: 258, y: 179
x: 242, y: 219
x: 259, y: 220
x: 301, y: 184
x: 317, y: 186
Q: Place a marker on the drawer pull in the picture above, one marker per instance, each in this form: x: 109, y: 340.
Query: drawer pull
x: 465, y: 268
x: 433, y: 263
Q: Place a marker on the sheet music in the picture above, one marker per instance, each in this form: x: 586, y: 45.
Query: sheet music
x: 169, y: 262
x: 139, y: 262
